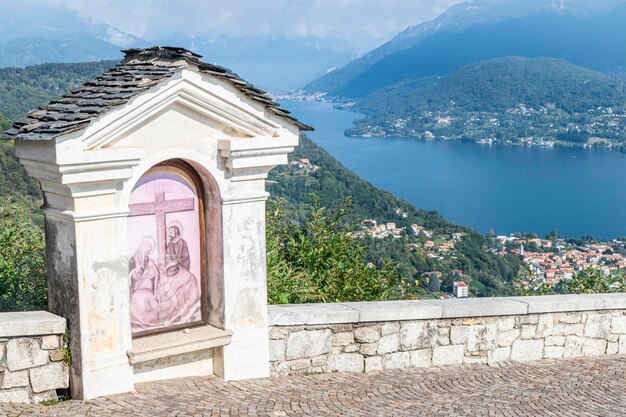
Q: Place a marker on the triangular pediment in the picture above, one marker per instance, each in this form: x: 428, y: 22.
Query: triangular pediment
x: 191, y: 104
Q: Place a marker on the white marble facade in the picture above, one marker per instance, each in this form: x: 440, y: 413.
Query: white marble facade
x: 230, y: 141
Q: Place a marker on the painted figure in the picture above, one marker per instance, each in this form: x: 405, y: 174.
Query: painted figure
x: 144, y: 275
x: 179, y: 293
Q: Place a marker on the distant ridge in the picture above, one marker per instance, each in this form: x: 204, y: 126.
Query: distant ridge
x: 485, y: 29
x: 502, y: 83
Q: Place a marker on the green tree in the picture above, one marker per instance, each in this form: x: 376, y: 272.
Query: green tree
x: 319, y: 260
x: 592, y: 281
x: 434, y: 284
x: 22, y: 267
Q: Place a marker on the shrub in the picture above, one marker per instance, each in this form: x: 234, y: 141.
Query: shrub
x: 320, y: 261
x: 22, y: 265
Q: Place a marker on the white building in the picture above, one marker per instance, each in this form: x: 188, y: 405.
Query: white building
x: 461, y: 289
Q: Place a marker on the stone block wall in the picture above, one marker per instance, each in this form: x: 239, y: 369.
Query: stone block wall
x: 31, y: 357
x: 363, y: 337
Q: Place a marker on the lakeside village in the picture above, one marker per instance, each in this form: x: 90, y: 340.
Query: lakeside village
x: 553, y: 260
x: 435, y: 247
x: 546, y: 126
x: 548, y: 260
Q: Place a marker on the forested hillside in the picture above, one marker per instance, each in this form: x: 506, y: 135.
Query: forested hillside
x: 331, y: 182
x: 504, y: 99
x: 503, y: 83
x: 24, y: 89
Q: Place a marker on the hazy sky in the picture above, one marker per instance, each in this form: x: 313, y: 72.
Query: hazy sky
x: 363, y: 23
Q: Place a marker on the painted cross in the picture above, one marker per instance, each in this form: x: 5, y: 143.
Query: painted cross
x: 160, y: 208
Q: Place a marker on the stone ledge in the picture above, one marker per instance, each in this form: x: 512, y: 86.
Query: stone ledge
x: 311, y: 314
x: 370, y: 311
x: 149, y: 348
x: 30, y: 323
x: 338, y: 313
x: 480, y: 307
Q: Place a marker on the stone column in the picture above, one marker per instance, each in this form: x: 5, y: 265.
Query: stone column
x: 248, y: 162
x: 87, y: 268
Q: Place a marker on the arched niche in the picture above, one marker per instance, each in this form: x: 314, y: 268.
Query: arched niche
x: 168, y: 251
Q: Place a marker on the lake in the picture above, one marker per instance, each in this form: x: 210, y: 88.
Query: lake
x: 506, y: 188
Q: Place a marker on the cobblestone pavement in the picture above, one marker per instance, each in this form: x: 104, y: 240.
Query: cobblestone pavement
x: 575, y: 387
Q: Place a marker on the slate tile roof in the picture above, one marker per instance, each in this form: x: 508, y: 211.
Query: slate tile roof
x: 140, y: 70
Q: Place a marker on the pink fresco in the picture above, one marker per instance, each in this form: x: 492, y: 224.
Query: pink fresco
x: 164, y: 245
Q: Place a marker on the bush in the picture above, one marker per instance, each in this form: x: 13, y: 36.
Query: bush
x: 22, y: 266
x: 319, y: 260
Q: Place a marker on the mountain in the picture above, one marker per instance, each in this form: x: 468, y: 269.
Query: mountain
x: 506, y: 99
x: 502, y: 83
x: 470, y: 31
x: 38, y: 34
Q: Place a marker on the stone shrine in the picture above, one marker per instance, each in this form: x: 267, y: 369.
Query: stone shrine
x: 153, y: 177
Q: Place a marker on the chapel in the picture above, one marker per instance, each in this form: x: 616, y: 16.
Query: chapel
x: 153, y: 177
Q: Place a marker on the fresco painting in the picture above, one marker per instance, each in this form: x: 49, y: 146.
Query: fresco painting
x: 164, y: 244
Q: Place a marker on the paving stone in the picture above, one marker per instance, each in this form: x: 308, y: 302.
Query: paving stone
x: 558, y: 388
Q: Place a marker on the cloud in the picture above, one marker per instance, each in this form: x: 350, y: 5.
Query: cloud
x: 362, y: 23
